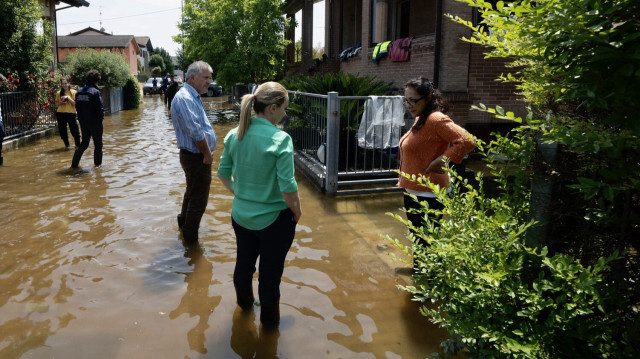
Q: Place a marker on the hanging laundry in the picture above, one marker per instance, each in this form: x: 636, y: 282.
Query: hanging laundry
x: 399, y: 49
x: 350, y: 52
x: 381, y: 123
x: 380, y: 51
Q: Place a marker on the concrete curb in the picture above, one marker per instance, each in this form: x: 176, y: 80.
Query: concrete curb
x: 14, y: 143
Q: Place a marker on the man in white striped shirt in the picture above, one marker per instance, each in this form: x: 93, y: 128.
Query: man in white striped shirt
x: 196, y: 140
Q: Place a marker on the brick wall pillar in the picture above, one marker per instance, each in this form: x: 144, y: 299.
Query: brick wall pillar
x: 454, y: 55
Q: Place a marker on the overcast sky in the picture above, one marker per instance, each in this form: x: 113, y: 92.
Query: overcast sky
x: 157, y: 19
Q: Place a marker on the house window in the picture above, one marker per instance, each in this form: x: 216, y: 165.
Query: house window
x: 351, y: 23
x: 394, y: 19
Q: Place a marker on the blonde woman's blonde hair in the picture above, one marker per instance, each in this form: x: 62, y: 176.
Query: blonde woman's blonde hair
x: 269, y: 93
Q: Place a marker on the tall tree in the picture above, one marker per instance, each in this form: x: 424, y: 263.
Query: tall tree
x: 183, y: 60
x: 24, y: 49
x: 167, y: 61
x: 243, y: 41
x: 157, y: 61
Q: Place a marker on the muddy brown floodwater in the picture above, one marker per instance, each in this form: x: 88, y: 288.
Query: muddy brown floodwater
x: 92, y: 265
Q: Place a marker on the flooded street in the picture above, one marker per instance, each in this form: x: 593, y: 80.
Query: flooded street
x: 92, y: 264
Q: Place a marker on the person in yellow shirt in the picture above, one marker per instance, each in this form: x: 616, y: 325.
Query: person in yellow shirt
x: 66, y: 113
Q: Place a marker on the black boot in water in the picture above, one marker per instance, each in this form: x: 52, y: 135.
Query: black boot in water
x: 190, y: 235
x: 270, y: 315
x: 245, y: 297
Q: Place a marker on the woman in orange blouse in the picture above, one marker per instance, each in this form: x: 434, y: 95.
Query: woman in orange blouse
x: 423, y: 149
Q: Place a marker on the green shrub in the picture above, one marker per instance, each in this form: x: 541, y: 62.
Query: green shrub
x: 156, y: 71
x: 131, y: 93
x: 345, y: 84
x: 112, y: 67
x: 498, y: 297
x: 24, y: 50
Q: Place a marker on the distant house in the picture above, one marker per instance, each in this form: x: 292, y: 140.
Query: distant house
x: 435, y: 51
x: 144, y: 43
x: 100, y: 41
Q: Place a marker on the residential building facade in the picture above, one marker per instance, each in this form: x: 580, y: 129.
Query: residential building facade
x: 100, y: 41
x: 146, y: 49
x: 436, y: 51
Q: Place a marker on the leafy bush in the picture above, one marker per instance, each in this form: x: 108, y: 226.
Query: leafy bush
x: 131, y: 93
x: 156, y: 71
x: 565, y: 286
x: 498, y: 297
x: 24, y: 51
x: 167, y: 62
x: 156, y: 61
x: 112, y: 67
x: 345, y: 84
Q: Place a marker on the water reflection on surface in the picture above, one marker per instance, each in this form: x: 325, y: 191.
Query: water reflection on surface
x: 92, y: 265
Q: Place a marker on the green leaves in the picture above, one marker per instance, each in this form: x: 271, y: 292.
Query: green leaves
x: 243, y: 41
x: 113, y: 68
x: 24, y: 50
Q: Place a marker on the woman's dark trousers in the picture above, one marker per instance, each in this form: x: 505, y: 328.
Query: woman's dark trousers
x: 271, y: 244
x: 417, y: 219
x: 65, y: 119
x: 92, y: 130
x: 196, y: 195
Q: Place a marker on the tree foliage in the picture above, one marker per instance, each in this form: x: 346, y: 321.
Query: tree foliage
x: 156, y: 60
x: 131, y: 94
x: 167, y: 62
x: 546, y: 265
x: 112, y: 67
x: 24, y: 51
x: 183, y: 60
x: 243, y: 41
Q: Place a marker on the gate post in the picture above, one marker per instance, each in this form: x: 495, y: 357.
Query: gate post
x: 333, y: 143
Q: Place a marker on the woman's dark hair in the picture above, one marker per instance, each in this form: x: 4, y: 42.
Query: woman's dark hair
x: 435, y: 101
x: 61, y: 88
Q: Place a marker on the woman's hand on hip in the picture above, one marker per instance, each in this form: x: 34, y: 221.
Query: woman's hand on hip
x: 437, y: 165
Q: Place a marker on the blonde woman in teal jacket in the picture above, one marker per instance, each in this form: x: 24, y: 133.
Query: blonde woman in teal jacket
x: 257, y: 167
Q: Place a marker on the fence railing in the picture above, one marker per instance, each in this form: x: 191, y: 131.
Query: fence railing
x: 347, y: 144
x: 22, y: 114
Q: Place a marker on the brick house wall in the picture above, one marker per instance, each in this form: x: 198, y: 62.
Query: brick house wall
x: 465, y: 77
x: 454, y: 65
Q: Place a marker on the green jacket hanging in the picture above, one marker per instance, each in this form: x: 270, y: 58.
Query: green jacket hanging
x: 380, y: 51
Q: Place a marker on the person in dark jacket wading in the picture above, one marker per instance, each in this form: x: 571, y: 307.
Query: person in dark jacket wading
x: 90, y: 115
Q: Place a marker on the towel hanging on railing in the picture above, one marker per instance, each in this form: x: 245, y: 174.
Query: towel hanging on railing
x: 381, y: 123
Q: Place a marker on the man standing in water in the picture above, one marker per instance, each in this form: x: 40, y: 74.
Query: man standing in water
x: 90, y: 115
x: 196, y: 141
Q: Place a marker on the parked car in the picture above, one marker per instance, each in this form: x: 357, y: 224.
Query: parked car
x: 214, y: 90
x: 149, y: 89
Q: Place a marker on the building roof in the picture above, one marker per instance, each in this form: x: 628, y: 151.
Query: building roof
x: 76, y: 3
x: 90, y: 31
x: 96, y: 42
x: 144, y: 41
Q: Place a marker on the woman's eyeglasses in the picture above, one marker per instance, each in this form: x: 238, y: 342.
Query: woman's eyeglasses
x: 411, y: 102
